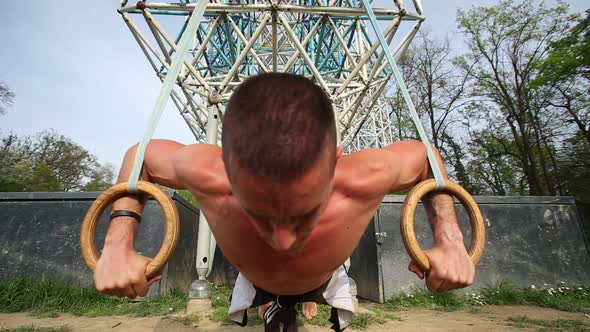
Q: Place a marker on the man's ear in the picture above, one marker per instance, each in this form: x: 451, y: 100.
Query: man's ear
x: 338, y: 152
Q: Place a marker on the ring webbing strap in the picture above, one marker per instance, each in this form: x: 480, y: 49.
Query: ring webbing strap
x: 177, y: 61
x: 436, y: 171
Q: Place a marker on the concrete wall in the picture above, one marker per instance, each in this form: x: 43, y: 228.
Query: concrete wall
x: 530, y: 240
x: 40, y: 237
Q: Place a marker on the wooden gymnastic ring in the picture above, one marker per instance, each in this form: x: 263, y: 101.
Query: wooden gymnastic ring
x: 407, y: 221
x: 87, y: 234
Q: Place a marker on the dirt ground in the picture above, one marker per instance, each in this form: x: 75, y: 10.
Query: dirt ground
x: 485, y: 318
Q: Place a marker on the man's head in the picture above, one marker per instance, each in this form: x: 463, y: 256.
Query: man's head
x: 279, y: 150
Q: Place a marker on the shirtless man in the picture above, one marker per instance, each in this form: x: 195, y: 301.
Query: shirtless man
x: 285, y: 206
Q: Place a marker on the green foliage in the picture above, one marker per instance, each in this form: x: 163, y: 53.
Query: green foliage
x: 220, y: 304
x: 515, y: 134
x: 561, y: 297
x: 447, y: 301
x: 322, y: 319
x: 495, y: 168
x: 49, y: 161
x: 48, y: 298
x: 570, y: 55
x: 565, y: 77
x: 455, y: 156
x: 101, y: 178
x: 575, y: 170
x: 188, y: 196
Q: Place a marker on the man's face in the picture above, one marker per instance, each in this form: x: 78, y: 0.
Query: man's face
x: 284, y: 214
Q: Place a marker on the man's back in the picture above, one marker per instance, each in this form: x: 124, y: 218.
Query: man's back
x: 333, y: 239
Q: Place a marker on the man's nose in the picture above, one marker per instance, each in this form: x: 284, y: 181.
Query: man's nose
x: 283, y: 237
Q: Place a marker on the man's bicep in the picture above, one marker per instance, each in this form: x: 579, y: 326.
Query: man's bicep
x: 411, y: 162
x: 159, y: 163
x: 200, y: 169
x: 369, y: 173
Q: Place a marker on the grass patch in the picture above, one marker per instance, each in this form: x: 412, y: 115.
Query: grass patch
x: 322, y: 319
x: 220, y: 304
x: 362, y: 321
x: 447, y: 301
x: 50, y: 298
x: 187, y: 320
x: 564, y: 298
x: 554, y: 325
x: 32, y: 328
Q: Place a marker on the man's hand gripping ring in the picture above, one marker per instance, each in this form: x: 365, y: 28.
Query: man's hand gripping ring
x: 87, y: 234
x: 407, y: 221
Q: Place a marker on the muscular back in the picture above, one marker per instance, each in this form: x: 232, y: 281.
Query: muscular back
x: 341, y: 224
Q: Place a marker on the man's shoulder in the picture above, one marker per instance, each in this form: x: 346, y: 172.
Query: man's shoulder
x: 201, y: 167
x: 198, y: 155
x: 366, y: 173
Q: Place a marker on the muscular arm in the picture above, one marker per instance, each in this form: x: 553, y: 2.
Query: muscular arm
x: 400, y: 166
x: 167, y: 163
x: 159, y: 168
x: 120, y: 270
x: 413, y: 166
x: 451, y: 267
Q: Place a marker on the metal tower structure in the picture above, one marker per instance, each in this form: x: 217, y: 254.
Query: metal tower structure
x: 325, y: 40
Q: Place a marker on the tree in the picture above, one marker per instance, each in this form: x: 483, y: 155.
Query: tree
x: 50, y: 162
x: 101, y: 178
x: 569, y: 56
x: 493, y: 165
x: 6, y: 97
x: 438, y: 86
x: 565, y: 75
x: 505, y: 44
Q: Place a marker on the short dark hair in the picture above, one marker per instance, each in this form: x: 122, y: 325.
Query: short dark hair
x: 277, y: 125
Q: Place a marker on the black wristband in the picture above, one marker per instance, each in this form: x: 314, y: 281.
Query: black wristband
x: 125, y: 213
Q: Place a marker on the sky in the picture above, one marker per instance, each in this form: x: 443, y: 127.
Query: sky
x: 75, y: 68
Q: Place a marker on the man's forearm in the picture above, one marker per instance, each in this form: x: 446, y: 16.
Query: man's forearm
x: 440, y: 209
x: 122, y: 230
x: 442, y: 216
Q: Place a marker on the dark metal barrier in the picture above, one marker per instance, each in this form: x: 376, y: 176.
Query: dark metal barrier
x: 530, y: 241
x: 40, y: 238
